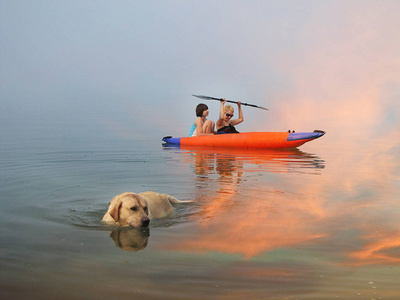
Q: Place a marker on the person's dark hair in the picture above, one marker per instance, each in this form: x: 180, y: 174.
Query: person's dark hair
x: 200, y: 109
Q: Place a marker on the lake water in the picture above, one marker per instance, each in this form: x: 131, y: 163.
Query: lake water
x: 318, y: 222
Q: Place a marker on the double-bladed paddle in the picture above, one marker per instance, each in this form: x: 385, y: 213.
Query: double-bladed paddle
x: 230, y: 101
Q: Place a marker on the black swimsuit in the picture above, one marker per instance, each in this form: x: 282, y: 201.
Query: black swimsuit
x: 228, y: 129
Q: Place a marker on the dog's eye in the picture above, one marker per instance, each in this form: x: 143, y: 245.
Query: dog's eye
x: 134, y: 208
x: 145, y: 208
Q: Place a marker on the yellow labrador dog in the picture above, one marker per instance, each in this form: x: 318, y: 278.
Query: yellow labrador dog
x: 136, y: 210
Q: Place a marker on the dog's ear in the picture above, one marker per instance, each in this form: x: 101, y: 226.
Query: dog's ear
x: 114, y: 212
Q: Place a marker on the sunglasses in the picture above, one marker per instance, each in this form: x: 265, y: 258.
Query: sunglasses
x: 229, y: 115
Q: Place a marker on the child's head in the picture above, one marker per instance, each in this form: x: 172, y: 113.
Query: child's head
x: 200, y: 109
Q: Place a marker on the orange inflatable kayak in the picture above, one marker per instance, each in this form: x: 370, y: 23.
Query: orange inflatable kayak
x: 265, y: 140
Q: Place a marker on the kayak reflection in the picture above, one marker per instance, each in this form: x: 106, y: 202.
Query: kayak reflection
x: 247, y: 205
x: 226, y: 161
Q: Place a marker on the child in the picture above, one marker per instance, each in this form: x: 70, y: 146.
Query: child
x: 202, y: 126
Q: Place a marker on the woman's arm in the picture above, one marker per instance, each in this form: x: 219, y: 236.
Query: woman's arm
x: 240, y: 119
x: 221, y: 114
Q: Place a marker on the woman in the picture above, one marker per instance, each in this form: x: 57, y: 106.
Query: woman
x: 225, y: 124
x: 201, y: 125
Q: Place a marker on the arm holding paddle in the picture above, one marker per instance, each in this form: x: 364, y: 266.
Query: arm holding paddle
x: 240, y: 119
x: 221, y: 111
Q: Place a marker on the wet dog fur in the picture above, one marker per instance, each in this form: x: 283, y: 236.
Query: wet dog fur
x: 136, y: 210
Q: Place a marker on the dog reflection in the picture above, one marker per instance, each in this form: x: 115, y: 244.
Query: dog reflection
x: 131, y: 239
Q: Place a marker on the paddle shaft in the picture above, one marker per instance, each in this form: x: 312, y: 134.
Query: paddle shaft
x: 230, y: 101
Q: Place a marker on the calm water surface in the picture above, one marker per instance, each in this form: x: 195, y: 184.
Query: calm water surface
x: 319, y: 222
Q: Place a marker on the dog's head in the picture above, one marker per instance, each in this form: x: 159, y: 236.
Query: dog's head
x: 130, y: 209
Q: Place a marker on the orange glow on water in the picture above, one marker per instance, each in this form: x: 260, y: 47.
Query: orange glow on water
x: 251, y: 218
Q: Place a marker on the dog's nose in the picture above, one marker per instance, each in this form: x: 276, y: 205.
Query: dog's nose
x: 145, y: 222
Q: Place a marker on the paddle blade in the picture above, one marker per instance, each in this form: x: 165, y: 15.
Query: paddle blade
x: 230, y: 101
x: 256, y: 106
x: 206, y: 97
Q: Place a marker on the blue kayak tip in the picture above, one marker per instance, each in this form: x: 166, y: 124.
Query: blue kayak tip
x: 171, y: 140
x: 305, y: 135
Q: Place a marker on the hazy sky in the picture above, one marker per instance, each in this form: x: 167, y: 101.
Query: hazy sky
x: 128, y: 67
